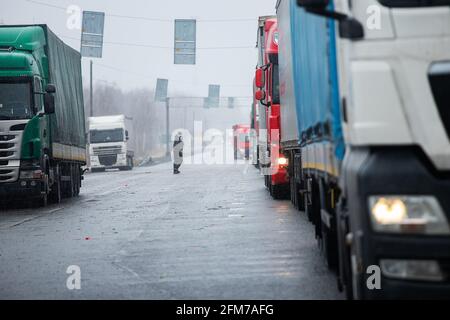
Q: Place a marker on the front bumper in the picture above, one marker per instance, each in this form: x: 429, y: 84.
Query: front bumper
x: 280, y: 177
x: 14, y: 190
x: 109, y: 161
x: 397, y: 171
x: 410, y: 248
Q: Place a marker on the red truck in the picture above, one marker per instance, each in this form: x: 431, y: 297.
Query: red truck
x: 272, y: 161
x: 241, y: 134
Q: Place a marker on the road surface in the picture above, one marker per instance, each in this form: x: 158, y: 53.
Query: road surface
x: 212, y: 232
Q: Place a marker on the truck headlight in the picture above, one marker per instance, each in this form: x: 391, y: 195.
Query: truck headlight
x: 425, y: 270
x: 282, y: 161
x: 408, y: 214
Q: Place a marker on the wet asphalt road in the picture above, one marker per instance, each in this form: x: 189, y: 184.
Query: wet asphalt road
x: 212, y: 232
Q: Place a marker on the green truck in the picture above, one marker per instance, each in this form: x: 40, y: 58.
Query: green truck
x: 42, y: 121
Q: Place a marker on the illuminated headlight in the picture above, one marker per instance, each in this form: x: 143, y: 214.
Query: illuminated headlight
x: 408, y: 214
x: 425, y: 270
x: 282, y: 161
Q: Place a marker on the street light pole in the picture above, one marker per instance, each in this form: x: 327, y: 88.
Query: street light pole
x: 167, y: 127
x: 91, y: 96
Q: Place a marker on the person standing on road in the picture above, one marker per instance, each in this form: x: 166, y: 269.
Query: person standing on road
x: 178, y: 145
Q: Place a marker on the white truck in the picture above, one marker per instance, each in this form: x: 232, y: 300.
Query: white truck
x: 368, y: 84
x: 108, y: 143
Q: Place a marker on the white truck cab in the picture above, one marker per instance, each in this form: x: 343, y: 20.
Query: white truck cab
x: 108, y: 143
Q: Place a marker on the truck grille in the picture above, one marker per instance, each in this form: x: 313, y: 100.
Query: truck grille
x: 108, y: 160
x: 9, y: 175
x: 7, y: 137
x: 439, y: 76
x: 4, y: 154
x: 10, y: 144
x: 6, y: 146
x: 113, y: 150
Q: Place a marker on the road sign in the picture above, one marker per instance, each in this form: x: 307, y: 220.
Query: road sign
x: 161, y: 90
x: 214, y: 95
x: 185, y: 41
x: 92, y: 34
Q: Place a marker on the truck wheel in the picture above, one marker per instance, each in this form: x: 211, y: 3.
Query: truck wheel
x: 345, y: 282
x: 329, y: 247
x: 293, y: 194
x: 316, y: 209
x: 74, y: 182
x: 279, y: 192
x: 77, y: 185
x: 308, y: 207
x: 327, y: 234
x: 56, y: 193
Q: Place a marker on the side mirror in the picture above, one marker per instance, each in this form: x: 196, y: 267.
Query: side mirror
x: 49, y: 103
x: 127, y: 137
x: 313, y: 4
x: 260, y: 95
x: 351, y: 28
x: 50, y: 88
x: 259, y: 78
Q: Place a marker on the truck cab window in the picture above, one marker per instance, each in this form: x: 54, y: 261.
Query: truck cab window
x: 37, y: 96
x: 15, y: 100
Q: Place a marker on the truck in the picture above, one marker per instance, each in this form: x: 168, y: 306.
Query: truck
x: 369, y: 153
x: 241, y: 141
x: 42, y: 123
x: 272, y: 162
x: 109, y: 146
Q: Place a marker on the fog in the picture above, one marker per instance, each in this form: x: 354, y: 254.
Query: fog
x: 138, y: 49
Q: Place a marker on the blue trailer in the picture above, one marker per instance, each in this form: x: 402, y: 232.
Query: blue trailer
x: 314, y: 144
x: 366, y: 129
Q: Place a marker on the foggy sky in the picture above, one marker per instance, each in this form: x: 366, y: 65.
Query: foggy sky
x: 232, y: 68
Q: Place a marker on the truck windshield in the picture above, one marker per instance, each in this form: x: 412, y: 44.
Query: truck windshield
x: 103, y: 136
x: 243, y: 137
x: 15, y: 101
x: 276, y: 85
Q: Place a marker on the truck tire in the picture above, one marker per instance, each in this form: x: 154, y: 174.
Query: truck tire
x: 308, y: 206
x: 77, y: 183
x: 345, y: 269
x: 279, y: 192
x: 327, y: 233
x: 315, y: 214
x: 56, y: 192
x: 329, y: 247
